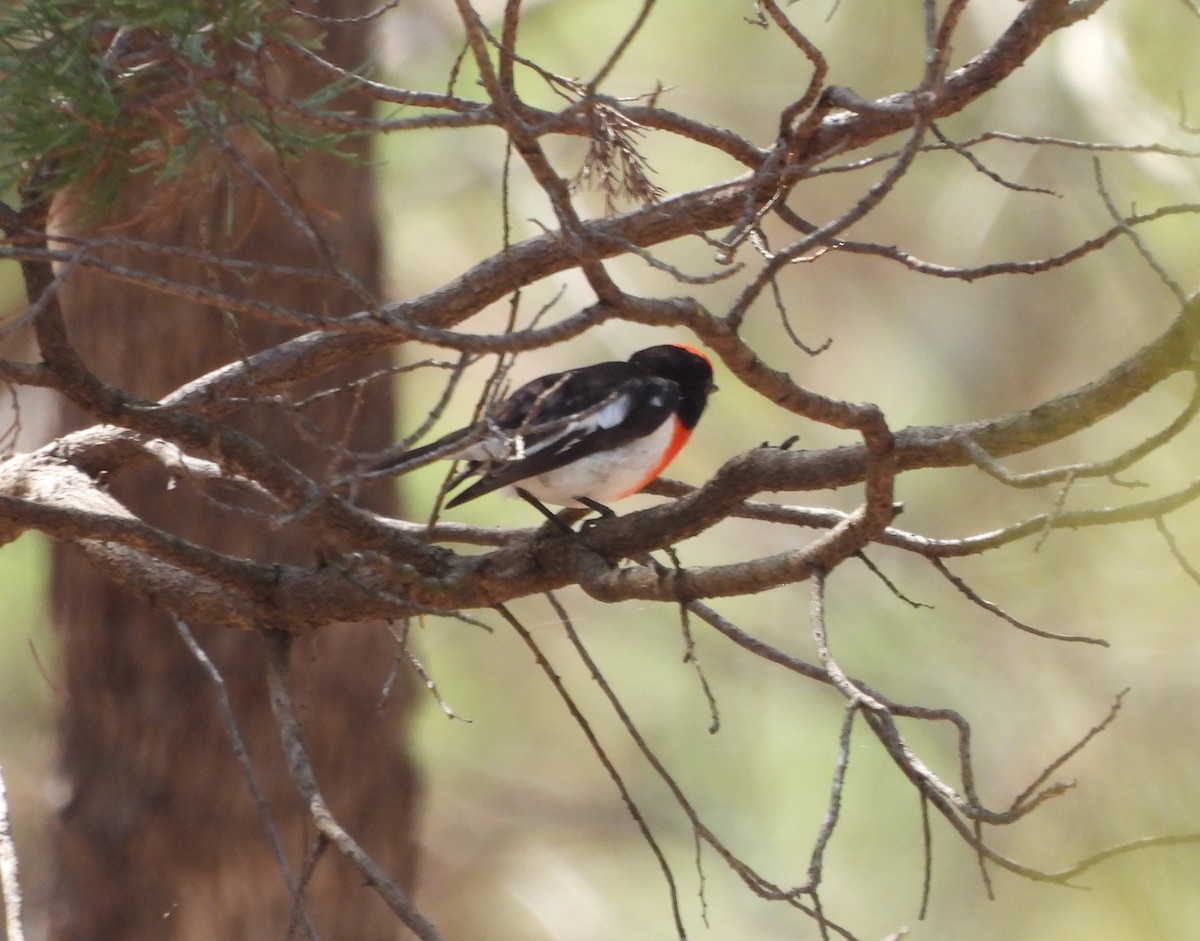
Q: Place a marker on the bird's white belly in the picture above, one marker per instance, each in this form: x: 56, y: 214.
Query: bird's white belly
x: 602, y: 477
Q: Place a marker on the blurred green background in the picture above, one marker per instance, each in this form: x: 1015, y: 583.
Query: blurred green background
x: 525, y: 836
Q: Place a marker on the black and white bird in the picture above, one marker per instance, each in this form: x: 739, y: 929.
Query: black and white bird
x: 580, y: 438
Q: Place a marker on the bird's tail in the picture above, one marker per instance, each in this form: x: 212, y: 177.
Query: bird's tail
x: 455, y: 445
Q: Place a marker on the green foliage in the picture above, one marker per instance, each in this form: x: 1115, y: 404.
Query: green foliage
x: 92, y: 91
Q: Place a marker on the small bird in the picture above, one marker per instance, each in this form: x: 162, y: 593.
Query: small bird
x: 583, y: 437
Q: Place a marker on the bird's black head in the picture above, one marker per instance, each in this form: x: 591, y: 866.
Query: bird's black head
x: 688, y: 368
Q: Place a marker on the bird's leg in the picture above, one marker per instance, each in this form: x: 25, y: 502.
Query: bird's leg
x: 605, y: 512
x: 543, y: 509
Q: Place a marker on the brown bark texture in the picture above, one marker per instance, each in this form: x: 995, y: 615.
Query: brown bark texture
x: 160, y: 837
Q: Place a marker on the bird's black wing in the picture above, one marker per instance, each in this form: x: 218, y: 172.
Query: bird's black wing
x: 549, y: 422
x: 506, y: 417
x: 632, y: 406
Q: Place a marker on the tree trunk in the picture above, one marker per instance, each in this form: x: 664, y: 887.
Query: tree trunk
x: 160, y: 837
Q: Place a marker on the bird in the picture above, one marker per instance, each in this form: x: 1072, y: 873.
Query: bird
x: 580, y: 438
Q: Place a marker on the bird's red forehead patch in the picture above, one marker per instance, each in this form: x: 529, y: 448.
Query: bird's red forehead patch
x: 692, y: 349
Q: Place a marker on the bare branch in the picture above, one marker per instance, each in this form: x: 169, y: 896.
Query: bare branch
x: 793, y: 202
x: 300, y: 768
x: 580, y: 720
x: 229, y: 721
x: 995, y: 609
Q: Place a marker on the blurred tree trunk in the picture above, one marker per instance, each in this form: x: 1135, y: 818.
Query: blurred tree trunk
x: 159, y: 837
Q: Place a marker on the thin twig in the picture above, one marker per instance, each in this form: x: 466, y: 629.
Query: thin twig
x: 577, y: 715
x: 418, y: 667
x: 1190, y: 570
x: 752, y: 879
x: 836, y: 675
x: 1022, y: 798
x: 300, y: 767
x: 977, y: 599
x: 889, y: 584
x: 229, y: 721
x: 1127, y: 230
x: 978, y: 164
x: 927, y: 855
x: 836, y: 789
x: 10, y: 885
x: 619, y: 50
x: 1132, y: 846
